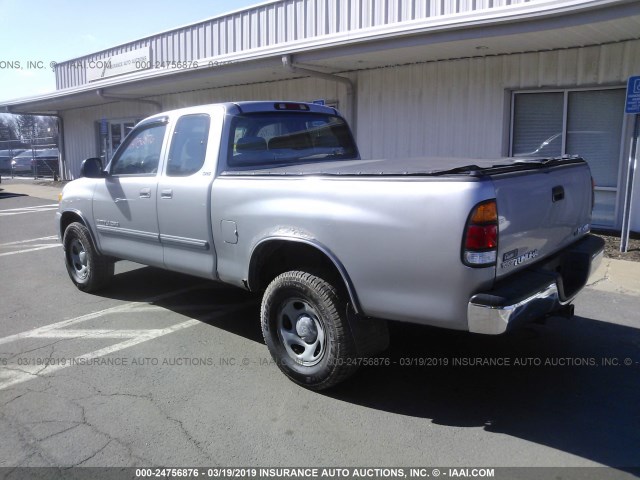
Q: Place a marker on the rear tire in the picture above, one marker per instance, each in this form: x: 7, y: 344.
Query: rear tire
x: 88, y: 270
x: 305, y: 326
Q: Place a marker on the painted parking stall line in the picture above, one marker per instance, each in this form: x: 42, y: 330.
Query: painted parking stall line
x: 23, y: 210
x: 27, y: 250
x: 31, y: 245
x: 12, y: 374
x: 20, y: 242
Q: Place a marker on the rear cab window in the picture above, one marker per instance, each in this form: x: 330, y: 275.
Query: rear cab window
x: 283, y: 137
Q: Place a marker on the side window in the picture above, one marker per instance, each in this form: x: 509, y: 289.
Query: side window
x: 141, y: 153
x: 188, y: 145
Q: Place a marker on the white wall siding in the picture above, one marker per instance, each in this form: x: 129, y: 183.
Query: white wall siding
x: 452, y: 108
x: 460, y: 107
x: 448, y: 108
x: 275, y: 23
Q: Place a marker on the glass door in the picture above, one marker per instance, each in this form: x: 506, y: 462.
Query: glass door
x: 117, y: 131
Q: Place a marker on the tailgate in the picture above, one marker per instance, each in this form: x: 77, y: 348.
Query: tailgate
x: 541, y: 210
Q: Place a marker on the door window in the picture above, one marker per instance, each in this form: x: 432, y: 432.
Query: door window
x: 141, y: 152
x: 188, y: 145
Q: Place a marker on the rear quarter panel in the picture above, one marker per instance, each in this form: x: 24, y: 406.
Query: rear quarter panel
x: 399, y: 239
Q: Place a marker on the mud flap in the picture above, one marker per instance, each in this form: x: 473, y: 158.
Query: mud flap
x: 371, y: 335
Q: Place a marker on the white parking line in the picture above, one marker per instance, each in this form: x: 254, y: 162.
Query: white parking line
x: 34, y: 209
x: 50, y: 237
x: 27, y: 250
x: 32, y: 248
x: 13, y: 375
x: 30, y: 372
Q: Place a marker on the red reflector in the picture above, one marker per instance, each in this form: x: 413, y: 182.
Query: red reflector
x: 481, y: 236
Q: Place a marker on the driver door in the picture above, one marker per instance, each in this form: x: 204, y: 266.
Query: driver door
x: 124, y: 203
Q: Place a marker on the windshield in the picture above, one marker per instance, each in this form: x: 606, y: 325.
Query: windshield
x: 289, y: 137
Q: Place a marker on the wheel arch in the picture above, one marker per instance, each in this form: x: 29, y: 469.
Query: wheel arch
x: 275, y: 255
x: 69, y: 216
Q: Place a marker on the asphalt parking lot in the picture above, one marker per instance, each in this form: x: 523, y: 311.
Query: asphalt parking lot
x: 164, y: 369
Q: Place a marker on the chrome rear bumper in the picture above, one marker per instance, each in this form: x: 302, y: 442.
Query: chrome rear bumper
x: 535, y: 292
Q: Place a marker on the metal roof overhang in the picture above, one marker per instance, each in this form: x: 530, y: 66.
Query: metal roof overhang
x: 529, y: 28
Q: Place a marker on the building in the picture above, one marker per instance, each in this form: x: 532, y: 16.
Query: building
x: 469, y: 78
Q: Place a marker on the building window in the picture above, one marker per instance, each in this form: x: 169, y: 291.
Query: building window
x: 575, y: 122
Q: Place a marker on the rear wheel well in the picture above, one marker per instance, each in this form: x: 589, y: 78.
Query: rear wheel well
x: 274, y: 257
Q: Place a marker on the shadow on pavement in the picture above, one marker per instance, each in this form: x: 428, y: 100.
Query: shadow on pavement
x: 563, y: 384
x: 239, y: 310
x: 574, y: 400
x: 4, y: 194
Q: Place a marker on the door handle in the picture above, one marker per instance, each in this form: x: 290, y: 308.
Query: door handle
x: 167, y: 193
x: 145, y: 193
x: 557, y: 193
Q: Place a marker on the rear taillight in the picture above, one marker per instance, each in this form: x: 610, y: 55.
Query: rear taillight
x: 480, y: 242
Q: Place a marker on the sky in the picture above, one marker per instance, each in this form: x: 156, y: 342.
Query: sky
x: 35, y: 33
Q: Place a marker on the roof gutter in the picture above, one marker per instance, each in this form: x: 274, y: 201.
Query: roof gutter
x: 125, y: 98
x: 291, y: 66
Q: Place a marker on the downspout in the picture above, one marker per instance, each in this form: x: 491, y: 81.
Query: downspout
x: 289, y: 65
x: 132, y: 98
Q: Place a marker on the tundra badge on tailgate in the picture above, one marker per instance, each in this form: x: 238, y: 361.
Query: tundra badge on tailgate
x: 512, y: 259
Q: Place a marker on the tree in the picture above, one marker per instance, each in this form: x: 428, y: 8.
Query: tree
x: 8, y: 128
x: 27, y: 127
x: 37, y: 129
x: 48, y: 128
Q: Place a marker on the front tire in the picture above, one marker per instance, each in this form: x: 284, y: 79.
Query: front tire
x: 305, y: 326
x: 88, y: 270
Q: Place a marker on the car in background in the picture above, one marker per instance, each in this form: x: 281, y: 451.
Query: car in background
x: 5, y: 158
x: 46, y: 162
x: 21, y: 163
x: 585, y: 143
x: 39, y: 162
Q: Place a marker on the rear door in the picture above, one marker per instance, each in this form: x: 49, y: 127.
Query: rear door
x: 124, y: 203
x: 184, y: 195
x: 540, y: 211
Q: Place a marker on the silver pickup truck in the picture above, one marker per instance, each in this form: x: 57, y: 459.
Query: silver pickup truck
x: 273, y: 197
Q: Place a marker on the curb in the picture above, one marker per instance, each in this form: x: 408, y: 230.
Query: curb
x: 46, y: 192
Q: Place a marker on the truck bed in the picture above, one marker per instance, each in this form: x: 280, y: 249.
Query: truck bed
x: 415, y: 166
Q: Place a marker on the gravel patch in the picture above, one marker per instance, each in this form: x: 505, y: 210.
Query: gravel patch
x: 612, y: 246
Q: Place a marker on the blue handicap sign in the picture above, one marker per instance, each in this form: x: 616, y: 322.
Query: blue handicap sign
x: 318, y: 102
x: 632, y: 104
